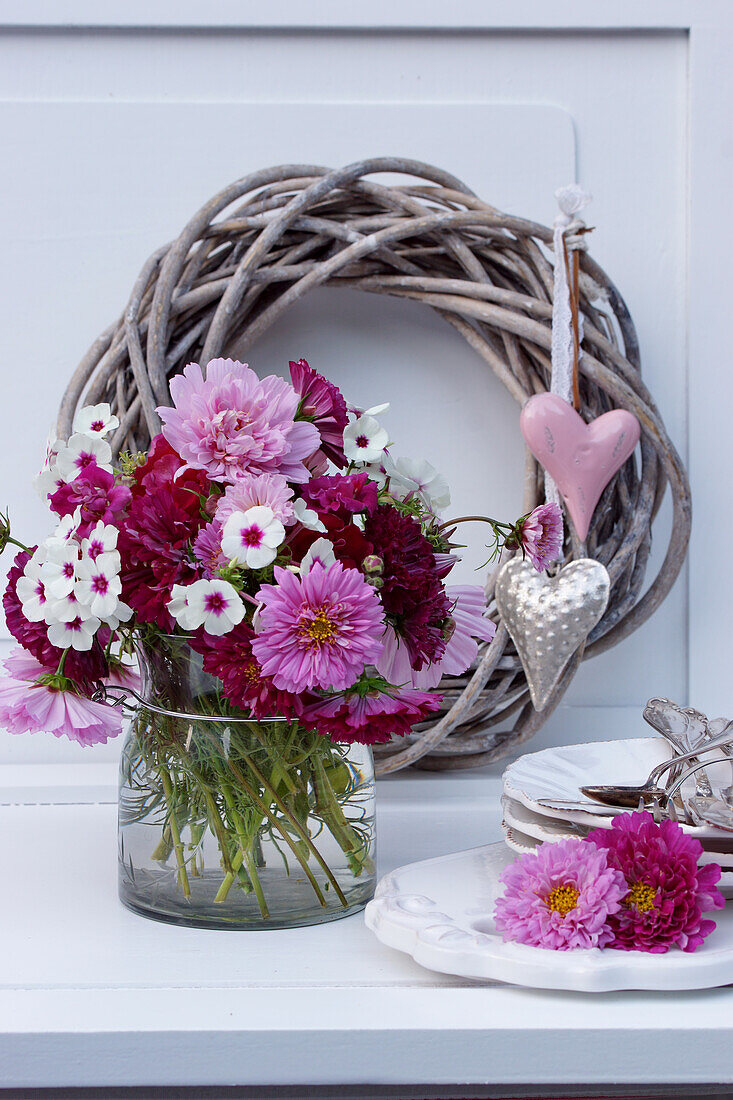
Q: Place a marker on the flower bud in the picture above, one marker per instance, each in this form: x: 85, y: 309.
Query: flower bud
x: 373, y: 565
x: 4, y: 531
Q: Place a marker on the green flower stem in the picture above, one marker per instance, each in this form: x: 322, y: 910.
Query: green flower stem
x: 286, y: 835
x: 165, y: 845
x: 300, y: 830
x: 228, y: 880
x: 218, y: 827
x: 177, y: 845
x: 246, y: 847
x: 330, y: 809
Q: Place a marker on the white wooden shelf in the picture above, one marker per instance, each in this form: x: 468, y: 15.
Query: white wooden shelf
x: 92, y: 995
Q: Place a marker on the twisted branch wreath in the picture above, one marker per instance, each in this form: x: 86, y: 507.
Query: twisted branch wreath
x: 264, y: 242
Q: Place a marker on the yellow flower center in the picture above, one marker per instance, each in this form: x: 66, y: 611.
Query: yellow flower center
x: 640, y: 897
x: 318, y: 630
x: 562, y: 899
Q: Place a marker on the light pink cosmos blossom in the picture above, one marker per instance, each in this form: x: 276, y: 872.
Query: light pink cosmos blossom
x: 27, y: 707
x: 232, y: 423
x: 541, y: 535
x: 470, y: 625
x: 318, y: 631
x: 560, y: 896
x: 269, y: 490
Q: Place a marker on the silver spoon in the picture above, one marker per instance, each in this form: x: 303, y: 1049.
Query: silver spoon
x: 629, y: 795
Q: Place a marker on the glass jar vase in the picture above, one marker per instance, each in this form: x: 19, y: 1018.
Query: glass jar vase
x: 227, y: 822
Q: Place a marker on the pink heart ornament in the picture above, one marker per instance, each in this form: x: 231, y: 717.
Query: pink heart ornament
x: 581, y: 458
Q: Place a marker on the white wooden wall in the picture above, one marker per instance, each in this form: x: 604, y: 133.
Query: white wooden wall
x: 116, y: 126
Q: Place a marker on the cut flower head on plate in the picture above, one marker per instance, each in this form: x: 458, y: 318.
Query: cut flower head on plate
x: 646, y: 893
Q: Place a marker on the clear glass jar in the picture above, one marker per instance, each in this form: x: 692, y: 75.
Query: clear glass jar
x: 226, y: 822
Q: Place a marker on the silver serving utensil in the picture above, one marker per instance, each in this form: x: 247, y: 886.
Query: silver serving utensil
x: 630, y: 795
x: 716, y: 727
x: 684, y: 728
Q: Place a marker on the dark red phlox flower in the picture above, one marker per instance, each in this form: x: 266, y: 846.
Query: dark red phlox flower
x: 323, y: 404
x: 94, y: 493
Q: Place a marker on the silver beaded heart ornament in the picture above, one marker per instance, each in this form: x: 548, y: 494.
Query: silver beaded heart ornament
x: 548, y: 618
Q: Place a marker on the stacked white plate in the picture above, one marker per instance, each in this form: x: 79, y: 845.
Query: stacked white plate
x: 538, y: 785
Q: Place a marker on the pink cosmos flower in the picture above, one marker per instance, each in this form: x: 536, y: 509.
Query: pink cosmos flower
x: 667, y: 891
x: 318, y: 631
x: 371, y: 717
x: 541, y: 535
x: 268, y: 490
x: 94, y: 493
x: 232, y: 423
x: 461, y: 649
x: 26, y: 706
x: 323, y: 404
x: 560, y: 896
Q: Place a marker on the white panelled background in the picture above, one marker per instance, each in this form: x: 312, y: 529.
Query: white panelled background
x: 111, y: 139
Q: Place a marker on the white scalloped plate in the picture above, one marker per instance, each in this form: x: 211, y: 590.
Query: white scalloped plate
x: 541, y: 829
x: 440, y: 913
x: 559, y: 773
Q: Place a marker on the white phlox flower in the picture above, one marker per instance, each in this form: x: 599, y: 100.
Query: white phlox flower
x: 122, y: 614
x: 320, y: 551
x: 102, y: 539
x: 95, y: 420
x: 78, y: 634
x: 48, y: 480
x: 31, y: 589
x: 251, y: 538
x: 365, y: 439
x: 65, y: 529
x: 98, y: 585
x: 215, y: 605
x: 59, y: 570
x: 306, y: 516
x: 414, y: 475
x: 81, y: 451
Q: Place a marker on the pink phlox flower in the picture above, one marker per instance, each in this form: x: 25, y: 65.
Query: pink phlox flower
x: 371, y: 717
x: 469, y: 627
x: 94, y: 494
x: 232, y: 423
x: 541, y: 535
x: 318, y: 631
x: 560, y: 896
x: 668, y: 892
x: 349, y: 493
x: 323, y: 404
x: 26, y: 706
x: 266, y: 490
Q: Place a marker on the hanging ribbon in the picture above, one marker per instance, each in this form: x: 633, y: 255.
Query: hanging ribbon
x: 566, y: 336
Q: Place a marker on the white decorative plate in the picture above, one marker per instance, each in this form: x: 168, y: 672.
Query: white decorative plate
x: 540, y: 829
x: 440, y: 913
x: 559, y: 773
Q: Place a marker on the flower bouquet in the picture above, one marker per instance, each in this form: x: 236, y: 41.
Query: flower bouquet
x: 281, y: 580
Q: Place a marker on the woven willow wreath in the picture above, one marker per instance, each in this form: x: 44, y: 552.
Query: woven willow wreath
x: 261, y: 244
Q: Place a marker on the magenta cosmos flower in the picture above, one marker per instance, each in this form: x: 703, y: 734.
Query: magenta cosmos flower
x: 318, y: 631
x: 27, y: 706
x: 560, y: 897
x: 232, y: 423
x: 541, y: 534
x: 370, y: 717
x: 667, y: 891
x: 323, y: 404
